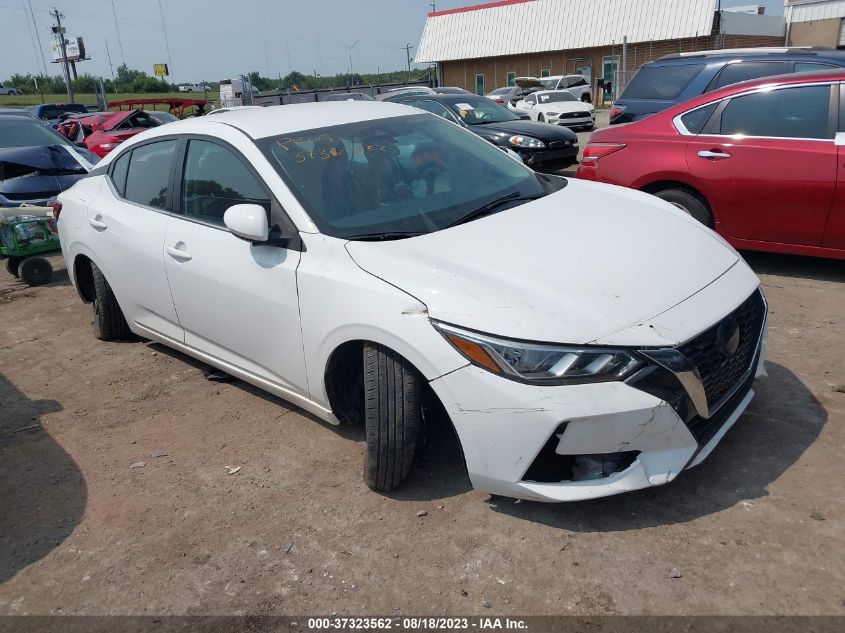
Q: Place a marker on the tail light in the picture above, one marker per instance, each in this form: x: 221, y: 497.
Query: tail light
x: 616, y: 111
x: 499, y: 101
x: 594, y: 151
x: 57, y: 210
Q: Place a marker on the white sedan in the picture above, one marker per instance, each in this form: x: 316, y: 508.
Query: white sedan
x: 558, y: 107
x: 368, y: 261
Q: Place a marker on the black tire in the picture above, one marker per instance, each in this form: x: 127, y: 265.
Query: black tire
x: 391, y: 416
x: 12, y: 265
x: 35, y: 271
x: 586, y: 98
x: 689, y: 203
x: 109, y: 323
x: 541, y: 118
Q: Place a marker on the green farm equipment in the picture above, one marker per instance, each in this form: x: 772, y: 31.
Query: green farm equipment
x: 25, y: 234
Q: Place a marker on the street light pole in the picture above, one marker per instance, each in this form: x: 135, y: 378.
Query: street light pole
x: 60, y: 33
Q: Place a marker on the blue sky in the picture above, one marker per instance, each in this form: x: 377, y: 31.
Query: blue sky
x: 214, y: 39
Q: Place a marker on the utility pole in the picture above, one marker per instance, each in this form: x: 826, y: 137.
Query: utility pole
x: 408, y: 48
x: 60, y: 33
x: 108, y: 54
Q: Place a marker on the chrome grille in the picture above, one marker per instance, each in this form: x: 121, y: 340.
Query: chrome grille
x: 721, y: 372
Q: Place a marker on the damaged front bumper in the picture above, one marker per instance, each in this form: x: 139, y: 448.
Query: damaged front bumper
x: 573, y: 442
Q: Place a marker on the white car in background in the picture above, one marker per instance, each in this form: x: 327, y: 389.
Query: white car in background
x: 194, y: 88
x: 576, y: 84
x: 558, y: 107
x: 371, y: 261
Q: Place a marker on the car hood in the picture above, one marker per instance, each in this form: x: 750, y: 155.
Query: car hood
x: 579, y: 265
x: 548, y: 133
x: 528, y: 82
x: 36, y: 173
x: 564, y: 106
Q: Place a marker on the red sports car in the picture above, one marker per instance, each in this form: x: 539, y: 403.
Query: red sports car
x: 103, y: 131
x: 762, y: 162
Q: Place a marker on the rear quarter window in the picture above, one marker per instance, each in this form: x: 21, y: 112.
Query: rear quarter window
x: 661, y: 82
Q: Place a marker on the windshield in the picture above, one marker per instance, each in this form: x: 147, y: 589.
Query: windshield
x: 555, y: 97
x: 480, y: 111
x: 405, y: 175
x: 18, y: 131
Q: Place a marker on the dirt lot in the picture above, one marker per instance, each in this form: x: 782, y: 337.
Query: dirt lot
x: 758, y: 528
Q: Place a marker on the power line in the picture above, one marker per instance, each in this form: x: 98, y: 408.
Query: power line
x: 37, y: 36
x: 166, y: 44
x: 117, y: 28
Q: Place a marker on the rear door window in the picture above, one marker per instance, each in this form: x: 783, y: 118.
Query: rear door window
x: 744, y: 71
x: 437, y: 108
x: 784, y: 113
x: 661, y: 82
x: 148, y: 180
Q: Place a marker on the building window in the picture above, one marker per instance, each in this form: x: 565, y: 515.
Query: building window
x: 511, y: 78
x: 841, y: 43
x: 479, y: 85
x: 545, y: 72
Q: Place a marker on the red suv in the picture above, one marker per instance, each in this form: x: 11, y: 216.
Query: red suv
x: 757, y: 161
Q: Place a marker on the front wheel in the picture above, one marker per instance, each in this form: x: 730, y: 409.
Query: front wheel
x: 689, y: 203
x: 541, y: 118
x: 392, y: 390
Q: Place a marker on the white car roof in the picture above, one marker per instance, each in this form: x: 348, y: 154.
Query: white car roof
x: 260, y: 122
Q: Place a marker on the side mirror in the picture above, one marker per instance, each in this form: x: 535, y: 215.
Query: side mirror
x: 247, y: 221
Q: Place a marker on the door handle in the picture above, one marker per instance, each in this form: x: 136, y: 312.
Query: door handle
x: 713, y: 154
x: 177, y: 252
x: 97, y: 222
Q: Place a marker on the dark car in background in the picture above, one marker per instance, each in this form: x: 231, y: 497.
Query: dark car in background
x: 679, y: 77
x: 52, y: 112
x: 542, y: 147
x: 36, y: 162
x: 345, y: 96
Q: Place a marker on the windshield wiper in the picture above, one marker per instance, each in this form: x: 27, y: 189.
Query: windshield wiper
x: 488, y: 208
x: 384, y: 236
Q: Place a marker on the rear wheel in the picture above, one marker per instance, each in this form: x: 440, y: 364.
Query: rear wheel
x: 586, y: 98
x: 392, y: 390
x: 35, y: 271
x: 12, y: 265
x: 688, y: 202
x: 109, y: 323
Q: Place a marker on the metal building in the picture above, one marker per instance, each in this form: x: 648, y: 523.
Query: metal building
x: 486, y: 46
x: 816, y: 22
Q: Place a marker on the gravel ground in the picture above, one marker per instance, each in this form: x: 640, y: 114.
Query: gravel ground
x: 116, y: 495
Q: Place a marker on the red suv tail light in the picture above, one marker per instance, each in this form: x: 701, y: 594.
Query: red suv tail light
x: 57, y: 210
x: 594, y: 151
x: 616, y: 111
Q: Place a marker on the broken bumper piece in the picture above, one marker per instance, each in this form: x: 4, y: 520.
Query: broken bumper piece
x: 568, y: 443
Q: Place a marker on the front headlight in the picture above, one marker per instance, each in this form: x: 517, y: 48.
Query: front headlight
x: 552, y: 113
x: 525, y: 141
x: 541, y: 363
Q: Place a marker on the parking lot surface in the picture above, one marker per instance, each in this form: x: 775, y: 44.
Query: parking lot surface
x: 116, y: 494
